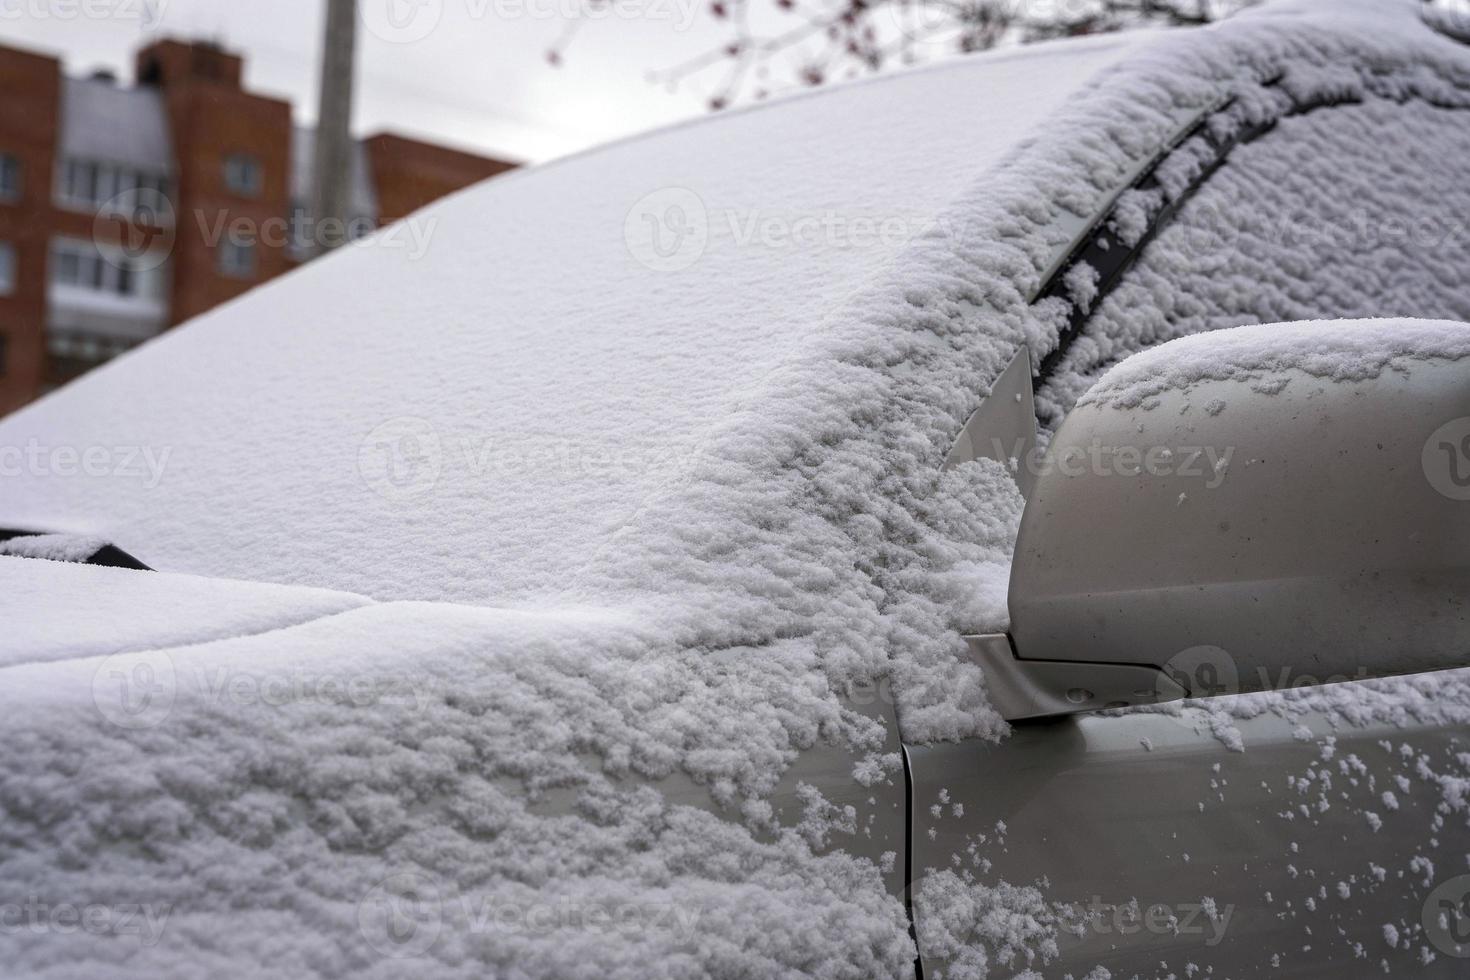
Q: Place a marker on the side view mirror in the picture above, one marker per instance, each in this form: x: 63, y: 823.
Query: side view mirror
x: 1252, y: 509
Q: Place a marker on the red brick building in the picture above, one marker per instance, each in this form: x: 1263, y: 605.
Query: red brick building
x: 116, y: 203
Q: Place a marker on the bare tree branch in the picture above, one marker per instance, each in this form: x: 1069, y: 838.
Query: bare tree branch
x: 817, y: 41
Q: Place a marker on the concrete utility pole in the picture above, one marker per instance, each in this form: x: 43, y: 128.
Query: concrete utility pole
x: 333, y: 163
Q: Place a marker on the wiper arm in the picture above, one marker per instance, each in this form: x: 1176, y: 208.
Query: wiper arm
x: 75, y: 548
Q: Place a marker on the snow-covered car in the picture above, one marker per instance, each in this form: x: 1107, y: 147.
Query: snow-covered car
x: 779, y: 546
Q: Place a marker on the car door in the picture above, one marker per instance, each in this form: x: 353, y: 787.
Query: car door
x: 1197, y: 843
x: 1265, y: 834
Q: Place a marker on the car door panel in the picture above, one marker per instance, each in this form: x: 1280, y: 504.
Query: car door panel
x: 1162, y: 842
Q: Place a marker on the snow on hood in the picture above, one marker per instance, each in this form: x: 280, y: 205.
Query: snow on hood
x: 695, y: 614
x: 109, y: 610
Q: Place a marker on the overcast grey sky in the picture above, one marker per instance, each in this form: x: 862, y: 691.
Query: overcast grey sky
x: 468, y: 72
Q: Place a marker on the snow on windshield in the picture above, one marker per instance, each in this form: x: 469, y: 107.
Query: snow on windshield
x: 471, y: 406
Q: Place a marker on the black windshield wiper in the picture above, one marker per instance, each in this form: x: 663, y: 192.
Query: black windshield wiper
x: 75, y: 548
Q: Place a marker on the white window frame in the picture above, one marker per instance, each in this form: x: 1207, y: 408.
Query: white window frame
x: 85, y: 184
x: 96, y: 273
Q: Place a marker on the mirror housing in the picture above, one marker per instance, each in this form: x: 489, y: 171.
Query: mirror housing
x: 1255, y: 509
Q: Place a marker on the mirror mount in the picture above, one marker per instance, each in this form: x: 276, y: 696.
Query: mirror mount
x: 1003, y: 427
x: 1025, y: 690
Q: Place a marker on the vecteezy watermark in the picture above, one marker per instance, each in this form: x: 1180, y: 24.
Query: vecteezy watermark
x: 946, y: 22
x: 670, y: 229
x: 306, y: 234
x: 139, y: 690
x: 409, y: 21
x: 37, y: 459
x: 1446, y: 459
x: 403, y: 915
x: 1446, y: 917
x: 401, y: 21
x: 147, y: 13
x: 1207, y: 671
x: 1212, y: 229
x: 1203, y: 918
x: 130, y: 920
x: 406, y: 458
x: 135, y: 690
x: 401, y: 459
x: 136, y: 229
x: 1208, y: 464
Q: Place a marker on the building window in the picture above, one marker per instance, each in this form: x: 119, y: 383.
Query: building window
x: 80, y: 265
x: 89, y: 184
x: 77, y: 265
x: 10, y: 178
x: 7, y: 268
x: 68, y: 266
x: 75, y: 352
x: 79, y: 182
x: 237, y: 259
x: 242, y: 174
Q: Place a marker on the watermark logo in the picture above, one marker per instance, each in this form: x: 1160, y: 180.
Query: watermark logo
x: 135, y: 690
x: 140, y: 690
x: 308, y: 235
x: 401, y: 21
x: 36, y: 459
x: 668, y: 230
x: 125, y: 920
x: 1446, y: 917
x: 401, y: 459
x: 1207, y: 671
x: 1203, y: 671
x: 410, y: 21
x: 1205, y: 919
x: 1209, y: 465
x: 1212, y: 228
x: 147, y: 13
x: 406, y: 459
x: 1446, y: 459
x: 938, y: 22
x: 401, y: 916
x: 136, y: 228
x: 973, y: 24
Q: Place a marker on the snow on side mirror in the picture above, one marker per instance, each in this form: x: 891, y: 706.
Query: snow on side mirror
x: 1261, y: 508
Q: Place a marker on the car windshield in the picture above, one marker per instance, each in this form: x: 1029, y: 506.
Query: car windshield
x: 474, y: 403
